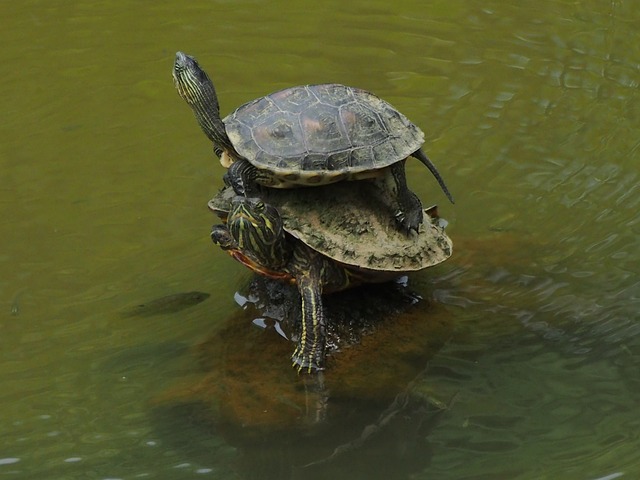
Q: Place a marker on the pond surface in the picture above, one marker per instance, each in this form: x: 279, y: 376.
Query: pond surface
x: 531, y: 112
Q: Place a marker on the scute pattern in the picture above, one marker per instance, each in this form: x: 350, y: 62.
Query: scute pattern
x: 321, y: 130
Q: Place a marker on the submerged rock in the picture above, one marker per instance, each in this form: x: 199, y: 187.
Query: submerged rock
x: 380, y: 338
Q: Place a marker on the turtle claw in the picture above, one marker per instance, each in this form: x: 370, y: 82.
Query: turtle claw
x: 409, y: 223
x: 304, y: 363
x: 241, y: 176
x: 234, y: 178
x: 221, y: 237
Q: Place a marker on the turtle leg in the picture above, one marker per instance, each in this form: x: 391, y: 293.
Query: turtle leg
x: 405, y: 205
x: 420, y: 155
x: 221, y: 236
x: 241, y: 176
x: 310, y: 350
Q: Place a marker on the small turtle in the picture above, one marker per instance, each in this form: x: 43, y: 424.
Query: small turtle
x: 309, y: 239
x: 309, y: 135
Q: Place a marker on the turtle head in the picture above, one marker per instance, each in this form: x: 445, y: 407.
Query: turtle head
x: 258, y: 230
x: 196, y: 88
x: 191, y: 81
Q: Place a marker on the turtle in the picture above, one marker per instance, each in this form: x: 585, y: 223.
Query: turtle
x: 320, y: 245
x: 310, y: 135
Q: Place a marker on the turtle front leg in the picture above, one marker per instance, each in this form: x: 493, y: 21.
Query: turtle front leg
x: 221, y: 237
x: 310, y: 351
x: 241, y: 176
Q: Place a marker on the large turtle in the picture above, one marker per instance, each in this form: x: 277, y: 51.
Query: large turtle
x: 321, y: 245
x: 309, y: 135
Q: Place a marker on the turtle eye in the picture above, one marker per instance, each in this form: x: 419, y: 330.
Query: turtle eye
x: 260, y: 205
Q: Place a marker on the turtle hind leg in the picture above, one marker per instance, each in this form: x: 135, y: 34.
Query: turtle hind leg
x: 310, y: 350
x: 404, y: 204
x: 409, y: 216
x: 420, y: 155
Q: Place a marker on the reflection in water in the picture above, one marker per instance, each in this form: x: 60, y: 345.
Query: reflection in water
x: 369, y: 399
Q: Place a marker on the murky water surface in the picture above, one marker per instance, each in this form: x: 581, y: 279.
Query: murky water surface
x: 532, y: 114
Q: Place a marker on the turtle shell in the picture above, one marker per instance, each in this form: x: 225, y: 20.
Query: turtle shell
x: 319, y: 131
x: 348, y: 225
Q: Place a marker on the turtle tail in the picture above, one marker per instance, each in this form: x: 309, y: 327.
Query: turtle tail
x: 420, y: 155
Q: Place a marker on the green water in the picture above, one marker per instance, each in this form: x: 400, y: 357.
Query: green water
x: 532, y: 113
